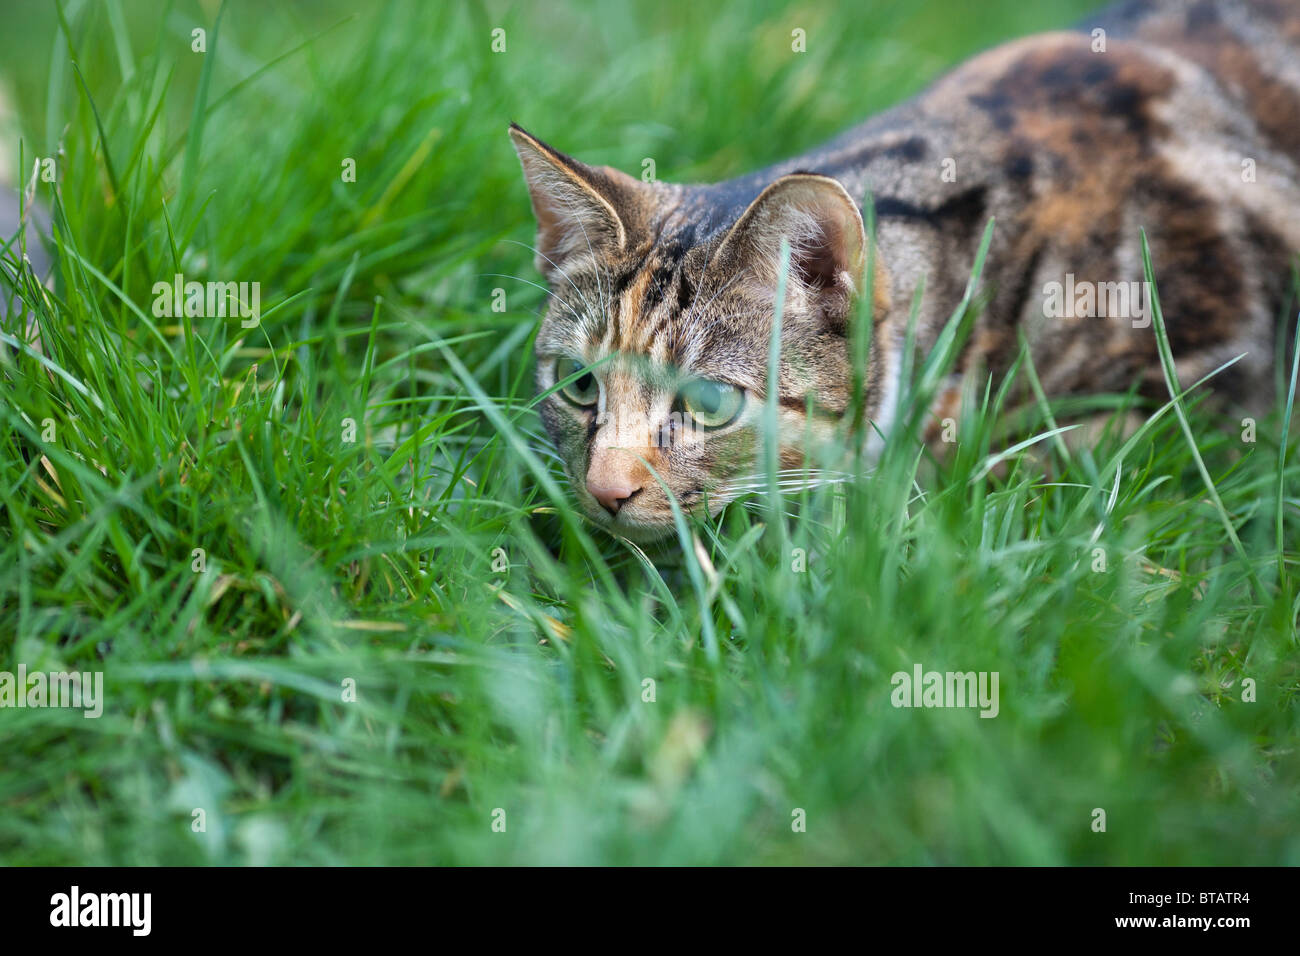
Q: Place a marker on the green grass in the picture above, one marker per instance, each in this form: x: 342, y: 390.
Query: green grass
x: 374, y: 559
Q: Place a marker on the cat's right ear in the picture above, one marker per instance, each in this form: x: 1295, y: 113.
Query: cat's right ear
x: 824, y: 227
x: 580, y: 209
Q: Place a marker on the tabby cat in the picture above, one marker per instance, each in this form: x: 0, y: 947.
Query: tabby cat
x: 1182, y: 118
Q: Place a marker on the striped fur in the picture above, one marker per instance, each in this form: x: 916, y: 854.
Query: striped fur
x: 1187, y: 124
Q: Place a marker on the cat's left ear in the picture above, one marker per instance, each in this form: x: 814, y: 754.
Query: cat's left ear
x: 828, y: 242
x: 580, y: 209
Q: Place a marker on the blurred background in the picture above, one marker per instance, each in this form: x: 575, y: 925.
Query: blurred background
x: 419, y: 95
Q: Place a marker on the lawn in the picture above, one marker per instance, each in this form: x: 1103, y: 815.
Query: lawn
x: 327, y: 565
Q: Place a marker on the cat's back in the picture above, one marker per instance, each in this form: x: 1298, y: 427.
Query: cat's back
x: 1180, y: 118
x: 1175, y: 118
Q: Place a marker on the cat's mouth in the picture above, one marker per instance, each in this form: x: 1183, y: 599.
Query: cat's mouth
x: 640, y: 520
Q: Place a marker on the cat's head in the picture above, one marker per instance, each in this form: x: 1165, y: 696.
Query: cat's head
x: 668, y: 292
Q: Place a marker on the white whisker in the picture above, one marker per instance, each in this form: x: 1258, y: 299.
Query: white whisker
x: 585, y: 302
x: 535, y: 285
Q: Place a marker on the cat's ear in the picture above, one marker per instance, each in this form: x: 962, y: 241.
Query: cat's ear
x: 580, y: 209
x: 827, y: 239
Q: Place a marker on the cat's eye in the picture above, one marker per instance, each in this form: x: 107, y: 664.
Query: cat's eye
x: 712, y: 404
x: 583, y: 390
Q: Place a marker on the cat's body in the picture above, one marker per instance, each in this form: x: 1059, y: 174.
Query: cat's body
x: 1183, y: 119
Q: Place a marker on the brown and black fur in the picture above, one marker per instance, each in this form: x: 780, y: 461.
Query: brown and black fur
x: 1072, y: 150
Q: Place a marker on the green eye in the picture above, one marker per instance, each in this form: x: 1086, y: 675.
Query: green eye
x: 582, y: 391
x: 712, y: 404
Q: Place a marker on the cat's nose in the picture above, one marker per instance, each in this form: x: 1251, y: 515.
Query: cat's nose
x: 612, y: 496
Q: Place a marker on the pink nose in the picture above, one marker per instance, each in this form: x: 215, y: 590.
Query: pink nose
x: 612, y: 497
